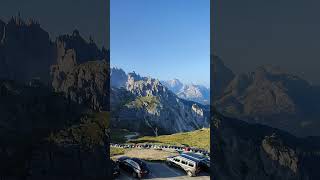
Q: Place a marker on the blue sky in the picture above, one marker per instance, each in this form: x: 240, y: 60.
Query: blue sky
x: 164, y: 39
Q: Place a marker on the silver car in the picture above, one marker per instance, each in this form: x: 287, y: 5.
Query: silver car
x: 191, y: 166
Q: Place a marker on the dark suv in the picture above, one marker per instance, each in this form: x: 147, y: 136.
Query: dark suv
x: 134, y: 166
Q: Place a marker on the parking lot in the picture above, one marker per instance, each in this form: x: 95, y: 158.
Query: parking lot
x: 162, y: 171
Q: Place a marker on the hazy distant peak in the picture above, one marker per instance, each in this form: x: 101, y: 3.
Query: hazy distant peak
x: 194, y: 92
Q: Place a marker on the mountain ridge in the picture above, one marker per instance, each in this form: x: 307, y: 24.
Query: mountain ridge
x: 145, y: 104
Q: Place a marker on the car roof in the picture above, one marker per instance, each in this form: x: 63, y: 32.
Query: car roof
x: 193, y: 155
x: 190, y: 158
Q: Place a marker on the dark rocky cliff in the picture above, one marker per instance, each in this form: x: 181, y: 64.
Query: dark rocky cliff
x: 250, y: 151
x: 26, y: 51
x: 53, y: 105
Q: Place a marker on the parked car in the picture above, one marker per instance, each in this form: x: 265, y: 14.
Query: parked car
x: 189, y: 165
x: 134, y: 166
x: 115, y: 169
x: 204, y: 162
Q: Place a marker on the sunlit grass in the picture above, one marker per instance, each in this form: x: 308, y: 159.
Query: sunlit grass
x: 114, y: 151
x: 199, y: 138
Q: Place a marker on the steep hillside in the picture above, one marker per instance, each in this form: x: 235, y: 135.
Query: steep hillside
x: 33, y: 138
x: 252, y: 151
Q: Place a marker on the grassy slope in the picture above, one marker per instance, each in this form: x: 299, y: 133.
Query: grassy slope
x: 199, y: 138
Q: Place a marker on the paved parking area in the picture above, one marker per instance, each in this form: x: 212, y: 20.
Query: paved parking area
x: 162, y: 171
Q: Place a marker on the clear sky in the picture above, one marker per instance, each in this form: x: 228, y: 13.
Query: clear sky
x: 164, y: 39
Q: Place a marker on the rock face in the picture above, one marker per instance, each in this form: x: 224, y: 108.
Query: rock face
x: 86, y: 51
x: 145, y: 105
x: 86, y: 83
x: 273, y: 97
x: 80, y: 73
x: 251, y: 151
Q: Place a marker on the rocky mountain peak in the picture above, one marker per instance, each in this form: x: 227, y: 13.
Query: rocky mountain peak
x: 85, y: 50
x: 174, y: 85
x: 26, y: 50
x: 197, y: 93
x: 145, y: 104
x: 144, y: 86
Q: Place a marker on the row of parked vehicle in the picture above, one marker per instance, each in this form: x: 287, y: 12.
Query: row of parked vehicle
x: 160, y: 147
x: 191, y: 163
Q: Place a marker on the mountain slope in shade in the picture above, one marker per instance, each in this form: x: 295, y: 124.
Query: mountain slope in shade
x: 222, y: 77
x: 273, y: 97
x: 145, y: 105
x: 252, y: 151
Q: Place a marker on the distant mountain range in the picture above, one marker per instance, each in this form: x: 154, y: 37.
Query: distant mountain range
x: 192, y: 92
x: 270, y: 96
x: 144, y: 104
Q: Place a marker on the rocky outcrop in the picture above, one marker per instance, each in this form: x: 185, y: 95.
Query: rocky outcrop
x: 85, y: 83
x: 250, y: 151
x: 81, y: 72
x: 86, y: 51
